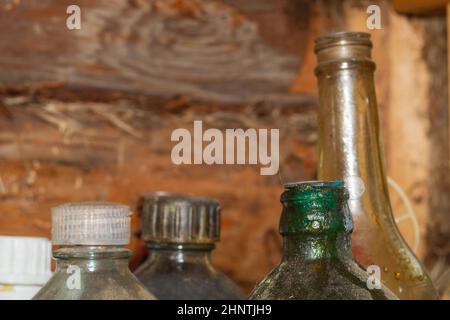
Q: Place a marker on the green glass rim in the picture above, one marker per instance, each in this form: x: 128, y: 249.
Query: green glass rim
x: 305, y: 190
x: 309, y: 204
x: 313, y: 184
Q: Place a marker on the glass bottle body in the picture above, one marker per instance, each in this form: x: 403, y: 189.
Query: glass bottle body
x: 350, y: 150
x: 317, y: 261
x: 175, y: 272
x: 93, y: 273
x: 315, y: 268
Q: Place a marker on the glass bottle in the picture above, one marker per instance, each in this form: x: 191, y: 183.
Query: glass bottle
x: 91, y: 262
x: 317, y: 260
x: 350, y: 149
x: 443, y: 285
x: 24, y: 266
x: 181, y: 232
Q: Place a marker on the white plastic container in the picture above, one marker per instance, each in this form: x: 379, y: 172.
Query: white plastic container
x: 25, y: 266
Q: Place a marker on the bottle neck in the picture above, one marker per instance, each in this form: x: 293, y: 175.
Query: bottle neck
x: 92, y: 258
x: 315, y: 222
x: 349, y: 138
x: 180, y: 253
x: 316, y: 247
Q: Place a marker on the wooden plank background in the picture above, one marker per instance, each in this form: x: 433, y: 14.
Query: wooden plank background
x: 87, y: 114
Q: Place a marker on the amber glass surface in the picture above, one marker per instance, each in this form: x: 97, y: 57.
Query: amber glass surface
x: 350, y: 150
x: 317, y: 259
x: 443, y: 283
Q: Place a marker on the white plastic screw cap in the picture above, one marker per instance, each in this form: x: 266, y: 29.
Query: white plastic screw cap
x: 25, y: 260
x: 91, y: 223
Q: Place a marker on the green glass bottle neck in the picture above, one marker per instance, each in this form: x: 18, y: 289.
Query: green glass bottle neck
x: 316, y: 247
x: 315, y: 222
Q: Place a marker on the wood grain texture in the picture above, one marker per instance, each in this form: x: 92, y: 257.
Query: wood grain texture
x: 204, y: 49
x: 420, y: 6
x: 87, y: 114
x: 54, y: 152
x: 435, y: 53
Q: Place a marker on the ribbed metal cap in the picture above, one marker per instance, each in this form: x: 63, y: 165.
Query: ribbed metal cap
x: 174, y: 218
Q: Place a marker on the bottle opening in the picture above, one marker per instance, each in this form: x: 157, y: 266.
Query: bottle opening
x: 315, y: 207
x: 313, y: 184
x: 342, y: 39
x: 343, y: 50
x: 308, y: 190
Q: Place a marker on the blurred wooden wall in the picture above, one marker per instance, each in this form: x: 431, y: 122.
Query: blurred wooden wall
x: 87, y: 114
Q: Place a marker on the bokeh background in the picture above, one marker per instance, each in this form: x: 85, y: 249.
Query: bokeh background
x: 87, y: 114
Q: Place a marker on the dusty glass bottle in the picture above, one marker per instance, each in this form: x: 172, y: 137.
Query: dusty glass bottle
x: 181, y: 232
x: 350, y: 150
x: 317, y: 260
x: 92, y: 263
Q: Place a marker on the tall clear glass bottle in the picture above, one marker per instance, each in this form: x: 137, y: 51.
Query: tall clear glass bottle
x: 181, y: 232
x: 92, y: 263
x: 350, y: 150
x: 317, y: 259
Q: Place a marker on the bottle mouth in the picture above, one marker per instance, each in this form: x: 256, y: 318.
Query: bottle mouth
x: 343, y: 51
x: 313, y: 184
x: 315, y: 208
x: 344, y: 38
x: 307, y: 190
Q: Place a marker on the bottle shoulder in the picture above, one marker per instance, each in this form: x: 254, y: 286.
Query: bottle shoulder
x: 122, y: 285
x: 187, y: 281
x: 318, y: 280
x: 401, y: 269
